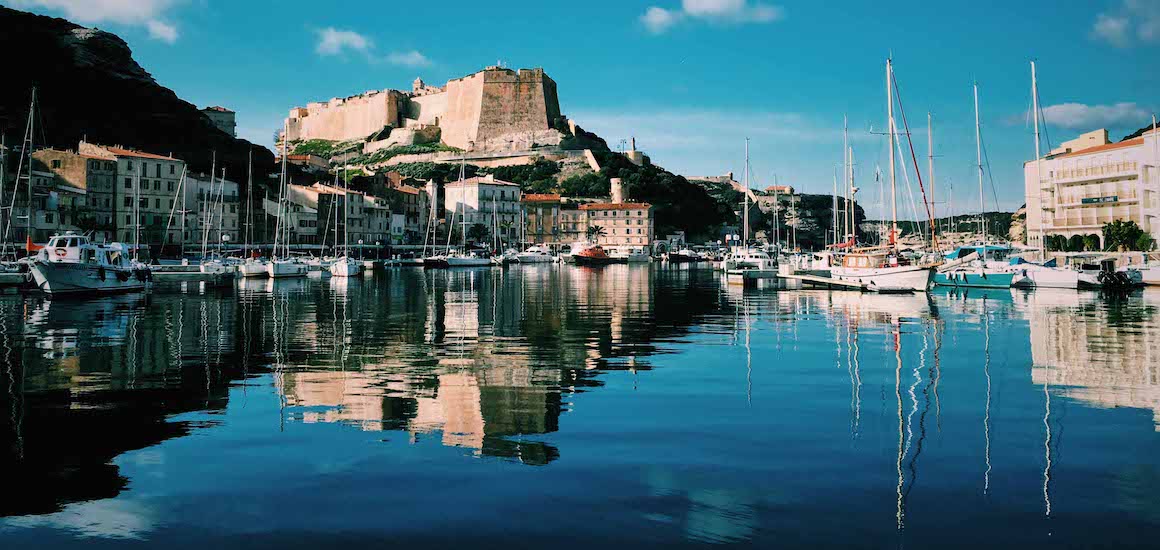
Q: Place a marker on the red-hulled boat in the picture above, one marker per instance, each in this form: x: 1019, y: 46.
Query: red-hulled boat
x: 593, y: 255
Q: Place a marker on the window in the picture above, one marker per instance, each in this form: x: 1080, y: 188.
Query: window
x: 128, y: 201
x: 172, y: 168
x: 128, y: 220
x: 171, y: 204
x: 48, y: 217
x: 56, y: 163
x: 169, y: 186
x: 128, y: 165
x: 156, y: 185
x: 158, y: 169
x: 128, y: 183
x: 106, y: 203
x: 157, y: 203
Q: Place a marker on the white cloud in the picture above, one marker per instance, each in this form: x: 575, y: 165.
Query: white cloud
x: 408, y: 59
x: 1090, y: 117
x: 162, y: 31
x: 149, y: 14
x: 658, y: 20
x: 332, y: 41
x: 1134, y: 20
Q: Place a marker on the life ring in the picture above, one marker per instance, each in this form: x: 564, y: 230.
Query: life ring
x: 61, y: 252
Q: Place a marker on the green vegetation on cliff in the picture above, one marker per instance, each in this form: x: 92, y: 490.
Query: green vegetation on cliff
x: 383, y: 155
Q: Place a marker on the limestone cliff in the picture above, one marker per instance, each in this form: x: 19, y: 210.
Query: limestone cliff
x: 89, y: 86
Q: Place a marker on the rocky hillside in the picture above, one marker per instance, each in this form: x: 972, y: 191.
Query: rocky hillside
x: 89, y: 85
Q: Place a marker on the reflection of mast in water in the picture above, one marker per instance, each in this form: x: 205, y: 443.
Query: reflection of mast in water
x: 987, y: 410
x: 279, y: 382
x: 938, y: 328
x: 899, y: 512
x: 856, y: 380
x: 1047, y: 449
x: 13, y: 395
x: 748, y: 358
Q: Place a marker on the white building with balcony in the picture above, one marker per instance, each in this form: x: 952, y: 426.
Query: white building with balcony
x: 487, y: 201
x: 1087, y: 182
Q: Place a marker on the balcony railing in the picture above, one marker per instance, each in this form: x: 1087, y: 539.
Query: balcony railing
x: 1088, y: 172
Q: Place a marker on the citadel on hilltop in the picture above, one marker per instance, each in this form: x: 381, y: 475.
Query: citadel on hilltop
x: 496, y: 109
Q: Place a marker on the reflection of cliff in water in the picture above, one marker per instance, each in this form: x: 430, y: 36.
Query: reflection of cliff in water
x: 85, y: 381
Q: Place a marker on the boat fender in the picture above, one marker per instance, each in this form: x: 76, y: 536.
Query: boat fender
x: 101, y: 273
x: 140, y: 275
x: 122, y: 276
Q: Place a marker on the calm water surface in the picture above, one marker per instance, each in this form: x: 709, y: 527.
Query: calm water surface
x: 561, y: 407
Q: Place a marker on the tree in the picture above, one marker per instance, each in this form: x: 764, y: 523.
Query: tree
x: 1123, y: 235
x: 1145, y: 243
x: 477, y: 232
x: 595, y: 231
x: 1091, y: 243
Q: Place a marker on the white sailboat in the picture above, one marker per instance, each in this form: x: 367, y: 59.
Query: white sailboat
x: 884, y: 269
x: 283, y: 266
x: 345, y: 266
x: 1046, y: 275
x: 251, y: 266
x: 748, y: 258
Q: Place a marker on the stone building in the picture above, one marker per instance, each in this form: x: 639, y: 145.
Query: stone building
x: 301, y: 219
x: 1088, y: 181
x: 622, y: 224
x: 223, y: 119
x: 573, y: 224
x: 149, y: 178
x: 542, y: 218
x: 496, y: 109
x: 95, y: 176
x: 487, y: 201
x: 416, y: 211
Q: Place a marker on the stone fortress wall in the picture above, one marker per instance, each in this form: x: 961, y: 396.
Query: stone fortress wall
x: 496, y: 109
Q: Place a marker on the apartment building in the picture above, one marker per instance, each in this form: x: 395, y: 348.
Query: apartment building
x: 542, y: 224
x: 620, y: 223
x: 487, y: 201
x: 1089, y: 181
x: 145, y: 186
x: 83, y: 185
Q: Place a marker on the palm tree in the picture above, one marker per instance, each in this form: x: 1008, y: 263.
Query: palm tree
x: 595, y: 231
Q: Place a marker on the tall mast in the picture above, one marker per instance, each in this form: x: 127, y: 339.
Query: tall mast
x: 207, y: 208
x: 930, y: 172
x: 221, y: 209
x: 834, y: 210
x: 979, y: 163
x: 1038, y: 178
x: 851, y: 230
x: 136, y: 211
x: 249, y: 203
x: 346, y: 217
x: 281, y: 194
x: 847, y: 176
x: 745, y: 196
x: 3, y: 175
x: 890, y: 132
x: 31, y: 143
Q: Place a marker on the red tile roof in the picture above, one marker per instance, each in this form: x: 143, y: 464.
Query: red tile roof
x: 139, y: 154
x: 1107, y: 147
x: 409, y: 190
x: 616, y: 206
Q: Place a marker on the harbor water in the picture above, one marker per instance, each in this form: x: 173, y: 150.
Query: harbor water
x: 554, y: 406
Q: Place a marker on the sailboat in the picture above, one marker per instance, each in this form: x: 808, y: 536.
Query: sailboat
x: 345, y: 266
x: 252, y: 266
x: 980, y: 271
x: 462, y: 258
x: 748, y: 258
x: 1046, y: 274
x: 884, y: 269
x: 284, y: 266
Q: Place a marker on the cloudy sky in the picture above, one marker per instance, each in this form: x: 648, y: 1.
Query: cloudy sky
x: 690, y: 79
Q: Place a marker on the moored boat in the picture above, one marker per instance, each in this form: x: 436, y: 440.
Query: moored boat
x: 535, y: 255
x: 883, y: 271
x: 71, y: 263
x: 345, y: 267
x: 593, y: 256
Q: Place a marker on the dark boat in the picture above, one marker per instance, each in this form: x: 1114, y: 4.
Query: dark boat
x: 593, y: 255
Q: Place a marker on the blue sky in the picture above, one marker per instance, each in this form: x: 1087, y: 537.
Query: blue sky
x: 689, y: 78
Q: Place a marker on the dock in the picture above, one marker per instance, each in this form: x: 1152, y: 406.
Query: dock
x: 826, y: 282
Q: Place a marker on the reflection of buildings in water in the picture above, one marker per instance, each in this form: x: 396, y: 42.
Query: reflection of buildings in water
x: 1104, y: 354
x: 480, y: 408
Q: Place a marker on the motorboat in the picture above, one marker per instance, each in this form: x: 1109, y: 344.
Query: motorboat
x: 575, y: 248
x: 72, y: 263
x: 750, y: 258
x: 629, y: 254
x: 883, y: 270
x: 684, y: 255
x: 345, y: 267
x: 535, y: 255
x: 593, y: 256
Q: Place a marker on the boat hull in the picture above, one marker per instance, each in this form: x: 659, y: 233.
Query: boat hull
x: 78, y: 278
x: 596, y: 261
x: 346, y: 268
x: 534, y: 259
x: 468, y: 262
x: 253, y: 269
x: 913, y: 278
x: 974, y: 279
x: 283, y: 270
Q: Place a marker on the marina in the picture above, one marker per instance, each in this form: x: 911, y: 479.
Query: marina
x: 442, y: 385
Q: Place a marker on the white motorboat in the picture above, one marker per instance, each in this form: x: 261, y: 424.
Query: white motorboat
x: 629, y: 254
x: 1028, y: 275
x: 750, y: 258
x: 71, y: 263
x: 346, y: 267
x: 253, y: 268
x: 279, y: 269
x: 882, y: 271
x: 535, y: 255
